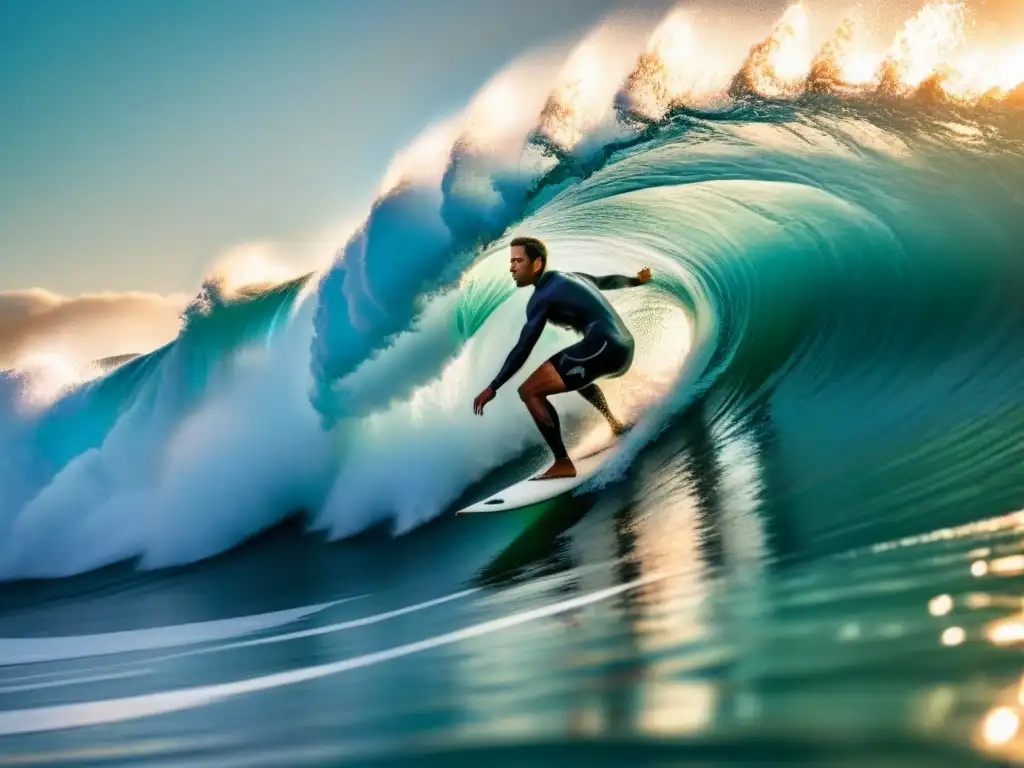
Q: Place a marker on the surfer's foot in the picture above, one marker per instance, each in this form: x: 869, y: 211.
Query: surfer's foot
x: 561, y: 468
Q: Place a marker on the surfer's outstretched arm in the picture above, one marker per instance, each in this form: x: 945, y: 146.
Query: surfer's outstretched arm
x: 615, y: 282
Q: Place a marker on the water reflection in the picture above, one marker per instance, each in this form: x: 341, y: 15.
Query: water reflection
x: 638, y: 663
x: 999, y: 732
x: 750, y: 634
x: 710, y: 615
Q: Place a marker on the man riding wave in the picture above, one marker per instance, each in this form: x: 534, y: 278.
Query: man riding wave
x: 569, y: 300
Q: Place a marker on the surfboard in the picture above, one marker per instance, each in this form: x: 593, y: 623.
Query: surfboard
x: 530, y: 491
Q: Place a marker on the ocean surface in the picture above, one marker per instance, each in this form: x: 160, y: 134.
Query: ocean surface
x: 241, y: 548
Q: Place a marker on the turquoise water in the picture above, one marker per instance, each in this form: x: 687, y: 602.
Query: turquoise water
x: 240, y: 548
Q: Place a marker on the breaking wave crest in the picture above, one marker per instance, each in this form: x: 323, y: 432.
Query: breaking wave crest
x: 832, y: 229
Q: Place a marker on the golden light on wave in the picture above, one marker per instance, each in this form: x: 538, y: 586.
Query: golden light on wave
x: 998, y: 732
x: 927, y: 42
x: 679, y: 66
x: 792, y: 58
x: 1010, y: 565
x: 671, y: 708
x: 981, y: 73
x: 424, y: 159
x: 978, y: 600
x: 1011, y: 72
x: 250, y: 265
x: 656, y: 83
x: 929, y: 52
x: 929, y: 55
x: 1011, y: 523
x: 779, y: 65
x: 940, y: 605
x: 1000, y: 726
x: 571, y: 106
x: 50, y: 374
x: 860, y: 67
x: 585, y: 87
x: 673, y: 43
x: 953, y: 636
x: 1006, y: 631
x: 847, y: 58
x: 496, y: 121
x: 493, y: 114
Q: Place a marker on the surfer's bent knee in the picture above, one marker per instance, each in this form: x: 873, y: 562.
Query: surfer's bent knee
x: 539, y: 382
x: 526, y: 390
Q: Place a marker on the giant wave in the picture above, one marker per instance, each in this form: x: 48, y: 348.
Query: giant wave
x: 834, y: 248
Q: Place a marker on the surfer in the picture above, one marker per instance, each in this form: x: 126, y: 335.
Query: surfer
x: 569, y: 300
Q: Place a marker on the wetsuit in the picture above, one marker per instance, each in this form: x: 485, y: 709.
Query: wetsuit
x: 573, y: 300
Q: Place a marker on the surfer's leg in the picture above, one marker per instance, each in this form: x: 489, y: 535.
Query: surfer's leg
x: 534, y: 393
x: 595, y: 356
x: 593, y: 395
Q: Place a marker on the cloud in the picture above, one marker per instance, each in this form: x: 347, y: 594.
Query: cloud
x: 86, y: 327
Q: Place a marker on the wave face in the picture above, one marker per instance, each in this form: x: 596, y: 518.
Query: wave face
x: 836, y: 252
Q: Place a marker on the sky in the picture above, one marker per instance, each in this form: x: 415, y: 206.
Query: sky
x: 140, y: 140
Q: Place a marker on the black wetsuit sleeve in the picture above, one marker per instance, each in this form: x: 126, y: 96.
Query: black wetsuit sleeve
x: 536, y: 317
x: 611, y: 282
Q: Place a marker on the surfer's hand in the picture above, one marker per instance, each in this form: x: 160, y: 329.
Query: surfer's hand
x: 483, y: 399
x: 644, y: 275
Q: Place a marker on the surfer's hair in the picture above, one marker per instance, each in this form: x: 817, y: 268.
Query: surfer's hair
x: 534, y: 248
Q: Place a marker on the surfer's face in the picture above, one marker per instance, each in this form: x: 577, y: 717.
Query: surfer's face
x: 523, y: 270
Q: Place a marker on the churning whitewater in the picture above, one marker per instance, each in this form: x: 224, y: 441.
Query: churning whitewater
x: 833, y: 228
